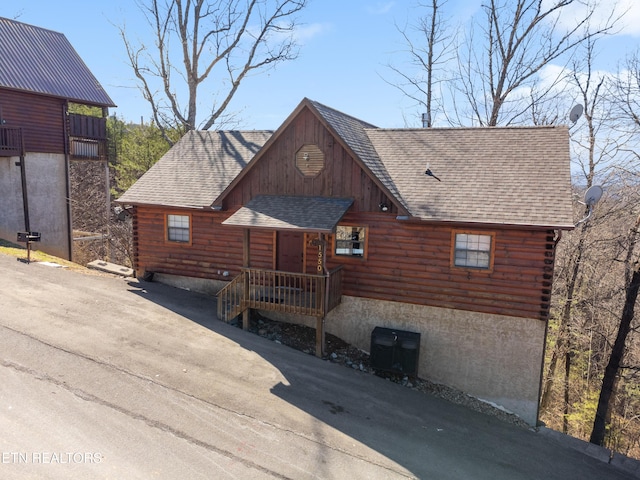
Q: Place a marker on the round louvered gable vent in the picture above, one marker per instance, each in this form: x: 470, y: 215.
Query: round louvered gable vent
x: 310, y: 160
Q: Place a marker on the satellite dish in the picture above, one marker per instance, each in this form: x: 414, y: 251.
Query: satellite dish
x: 576, y: 113
x: 592, y: 195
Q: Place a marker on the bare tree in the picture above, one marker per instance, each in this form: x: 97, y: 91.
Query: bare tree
x: 590, y: 87
x: 428, y: 53
x: 632, y: 281
x: 504, y: 54
x: 628, y: 99
x: 214, y: 41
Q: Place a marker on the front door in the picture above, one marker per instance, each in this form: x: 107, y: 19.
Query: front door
x: 290, y: 253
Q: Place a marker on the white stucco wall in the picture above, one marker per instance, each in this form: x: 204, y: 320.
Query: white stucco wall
x: 493, y: 357
x: 46, y: 191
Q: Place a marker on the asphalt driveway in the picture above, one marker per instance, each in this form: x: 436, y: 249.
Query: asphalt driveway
x: 104, y: 377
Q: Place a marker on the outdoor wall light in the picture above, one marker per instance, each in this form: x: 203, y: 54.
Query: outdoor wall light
x: 384, y: 207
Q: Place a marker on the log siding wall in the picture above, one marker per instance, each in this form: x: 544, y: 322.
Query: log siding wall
x: 277, y: 174
x: 406, y: 262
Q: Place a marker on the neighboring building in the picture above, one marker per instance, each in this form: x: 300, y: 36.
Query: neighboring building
x: 40, y: 75
x: 333, y: 222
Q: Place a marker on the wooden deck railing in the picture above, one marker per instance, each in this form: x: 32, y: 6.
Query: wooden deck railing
x: 87, y: 137
x: 10, y: 141
x: 297, y: 293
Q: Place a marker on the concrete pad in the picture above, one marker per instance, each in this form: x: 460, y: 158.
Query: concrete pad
x: 627, y: 464
x: 599, y: 453
x: 146, y: 376
x: 111, y: 268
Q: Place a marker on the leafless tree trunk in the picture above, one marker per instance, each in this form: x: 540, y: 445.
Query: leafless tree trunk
x: 628, y: 99
x: 590, y: 92
x: 632, y: 278
x: 519, y: 38
x: 433, y: 47
x: 214, y: 41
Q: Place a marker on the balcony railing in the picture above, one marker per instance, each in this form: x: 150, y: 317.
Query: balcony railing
x: 297, y: 293
x: 10, y: 141
x: 87, y: 137
x: 84, y: 148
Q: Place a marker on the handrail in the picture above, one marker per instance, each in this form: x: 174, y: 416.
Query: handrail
x: 288, y: 292
x: 230, y: 299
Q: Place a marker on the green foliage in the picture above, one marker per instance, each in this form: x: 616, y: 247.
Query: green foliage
x: 85, y: 110
x: 582, y: 413
x: 133, y: 149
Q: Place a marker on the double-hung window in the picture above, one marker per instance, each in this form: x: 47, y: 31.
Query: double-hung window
x: 473, y: 250
x: 179, y: 228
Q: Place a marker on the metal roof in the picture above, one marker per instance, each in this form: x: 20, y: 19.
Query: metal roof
x: 42, y: 61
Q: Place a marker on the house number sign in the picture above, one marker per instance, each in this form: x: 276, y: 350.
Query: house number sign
x: 320, y: 243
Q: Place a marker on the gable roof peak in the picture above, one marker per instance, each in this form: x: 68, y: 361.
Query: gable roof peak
x: 327, y: 111
x: 41, y: 61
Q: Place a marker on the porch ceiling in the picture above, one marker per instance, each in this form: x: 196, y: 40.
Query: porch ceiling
x: 285, y: 212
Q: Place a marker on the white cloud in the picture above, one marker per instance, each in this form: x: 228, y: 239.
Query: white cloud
x: 380, y: 8
x: 308, y: 31
x: 629, y: 10
x: 631, y: 19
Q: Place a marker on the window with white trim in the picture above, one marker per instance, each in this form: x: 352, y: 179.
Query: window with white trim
x: 178, y: 229
x: 473, y: 250
x: 350, y: 241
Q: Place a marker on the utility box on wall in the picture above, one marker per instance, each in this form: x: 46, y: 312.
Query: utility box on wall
x: 395, y: 351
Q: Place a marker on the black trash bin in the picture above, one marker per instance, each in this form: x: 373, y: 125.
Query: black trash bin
x: 383, y: 343
x: 395, y: 351
x: 409, y: 349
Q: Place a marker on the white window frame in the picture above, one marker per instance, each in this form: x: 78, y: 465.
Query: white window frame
x: 178, y: 228
x: 473, y: 250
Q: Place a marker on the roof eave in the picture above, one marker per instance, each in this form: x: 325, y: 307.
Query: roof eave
x: 80, y: 101
x: 489, y: 224
x: 162, y: 205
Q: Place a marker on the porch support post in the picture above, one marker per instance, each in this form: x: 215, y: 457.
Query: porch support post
x: 320, y: 336
x: 246, y: 253
x: 246, y: 260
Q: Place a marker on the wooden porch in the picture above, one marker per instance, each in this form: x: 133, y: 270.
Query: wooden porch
x: 286, y: 292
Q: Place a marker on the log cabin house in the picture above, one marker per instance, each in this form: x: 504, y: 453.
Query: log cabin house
x: 334, y: 223
x: 40, y: 76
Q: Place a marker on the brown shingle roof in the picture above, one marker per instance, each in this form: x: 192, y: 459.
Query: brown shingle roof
x: 288, y: 212
x: 510, y: 175
x: 37, y: 60
x: 197, y: 169
x: 499, y: 175
x: 353, y: 132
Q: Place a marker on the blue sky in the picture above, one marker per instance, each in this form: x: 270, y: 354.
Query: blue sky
x: 346, y: 45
